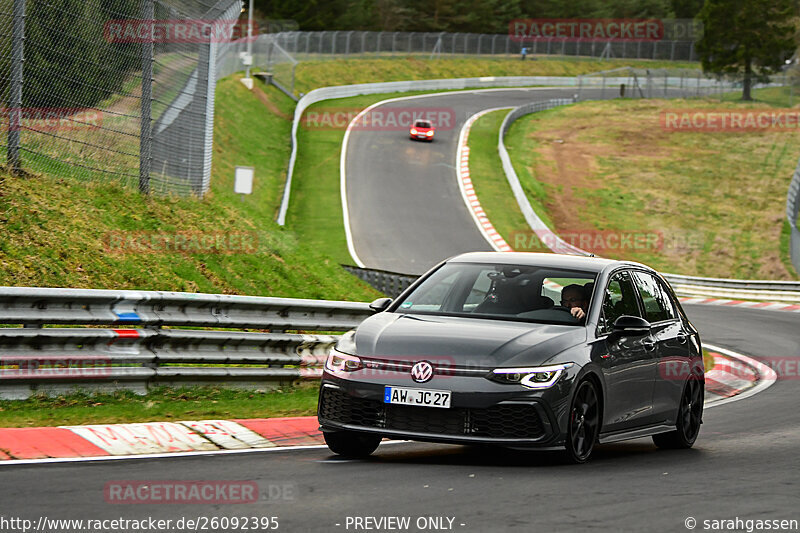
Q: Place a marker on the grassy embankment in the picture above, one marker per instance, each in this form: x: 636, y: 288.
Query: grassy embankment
x: 716, y: 199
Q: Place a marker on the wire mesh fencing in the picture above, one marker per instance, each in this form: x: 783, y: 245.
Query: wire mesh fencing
x: 327, y: 44
x: 119, y: 89
x: 266, y: 56
x: 628, y: 82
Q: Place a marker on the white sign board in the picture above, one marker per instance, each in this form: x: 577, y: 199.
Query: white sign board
x: 244, y: 180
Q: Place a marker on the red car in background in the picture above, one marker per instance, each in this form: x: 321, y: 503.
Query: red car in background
x: 421, y: 130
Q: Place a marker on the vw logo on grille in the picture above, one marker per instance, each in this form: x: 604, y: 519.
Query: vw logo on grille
x: 422, y: 372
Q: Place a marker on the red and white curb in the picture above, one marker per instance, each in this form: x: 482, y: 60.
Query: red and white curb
x: 156, y: 438
x: 735, y: 377
x: 768, y: 306
x: 468, y: 191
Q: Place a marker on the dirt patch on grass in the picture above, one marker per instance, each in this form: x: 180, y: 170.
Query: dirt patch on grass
x: 715, y: 199
x: 264, y: 98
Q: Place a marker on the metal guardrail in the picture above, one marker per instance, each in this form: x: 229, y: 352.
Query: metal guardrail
x: 792, y: 211
x: 34, y: 358
x: 389, y: 283
x: 544, y: 233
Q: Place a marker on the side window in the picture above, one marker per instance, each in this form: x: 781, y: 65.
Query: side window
x: 620, y: 299
x: 657, y: 304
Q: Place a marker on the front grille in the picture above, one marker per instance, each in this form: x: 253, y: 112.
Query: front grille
x: 502, y: 421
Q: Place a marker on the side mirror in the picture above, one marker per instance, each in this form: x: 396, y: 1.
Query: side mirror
x: 631, y: 325
x: 381, y: 304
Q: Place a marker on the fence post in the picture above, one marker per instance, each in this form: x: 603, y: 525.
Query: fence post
x: 15, y: 90
x: 145, y: 138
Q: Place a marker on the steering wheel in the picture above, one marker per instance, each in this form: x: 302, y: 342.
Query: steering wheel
x: 565, y: 310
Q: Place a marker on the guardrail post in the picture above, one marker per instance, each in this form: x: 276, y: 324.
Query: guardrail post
x: 15, y: 89
x: 145, y: 133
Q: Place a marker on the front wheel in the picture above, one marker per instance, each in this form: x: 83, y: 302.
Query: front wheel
x: 690, y: 416
x: 352, y: 443
x: 584, y: 423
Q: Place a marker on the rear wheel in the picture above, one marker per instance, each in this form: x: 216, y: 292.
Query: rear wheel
x: 690, y: 416
x: 352, y: 443
x: 584, y: 422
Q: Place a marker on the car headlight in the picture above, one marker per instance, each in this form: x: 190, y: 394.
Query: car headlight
x: 537, y: 377
x: 429, y: 133
x: 413, y: 131
x: 342, y: 357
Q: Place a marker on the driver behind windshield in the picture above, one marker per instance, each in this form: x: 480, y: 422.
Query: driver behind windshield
x: 574, y: 298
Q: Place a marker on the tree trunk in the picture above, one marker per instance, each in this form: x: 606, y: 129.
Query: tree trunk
x: 748, y: 81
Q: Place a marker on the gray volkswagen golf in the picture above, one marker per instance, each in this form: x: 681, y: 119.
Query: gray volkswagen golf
x: 520, y: 350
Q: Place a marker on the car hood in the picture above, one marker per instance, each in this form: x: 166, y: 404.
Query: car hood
x: 463, y: 341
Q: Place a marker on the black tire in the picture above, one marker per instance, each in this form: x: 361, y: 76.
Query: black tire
x: 352, y: 443
x: 690, y: 417
x: 583, y: 424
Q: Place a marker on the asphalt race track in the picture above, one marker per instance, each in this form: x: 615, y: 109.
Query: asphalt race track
x: 406, y: 211
x: 744, y: 464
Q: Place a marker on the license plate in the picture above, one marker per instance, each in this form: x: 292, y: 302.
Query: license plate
x: 421, y: 136
x: 418, y: 397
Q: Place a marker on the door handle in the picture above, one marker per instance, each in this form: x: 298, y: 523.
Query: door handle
x: 649, y: 345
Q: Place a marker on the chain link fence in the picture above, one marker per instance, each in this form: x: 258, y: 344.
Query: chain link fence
x: 326, y: 44
x: 628, y: 82
x: 267, y: 57
x: 118, y: 89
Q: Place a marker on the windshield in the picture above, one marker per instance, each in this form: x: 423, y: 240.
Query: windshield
x: 504, y: 292
x: 422, y: 124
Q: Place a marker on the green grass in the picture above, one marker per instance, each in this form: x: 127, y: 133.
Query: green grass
x: 161, y: 404
x: 716, y: 199
x: 55, y: 230
x: 773, y: 96
x: 320, y: 73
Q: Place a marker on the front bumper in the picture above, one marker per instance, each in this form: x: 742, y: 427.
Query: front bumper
x: 523, y: 420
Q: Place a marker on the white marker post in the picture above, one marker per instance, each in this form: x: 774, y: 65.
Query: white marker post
x: 243, y: 182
